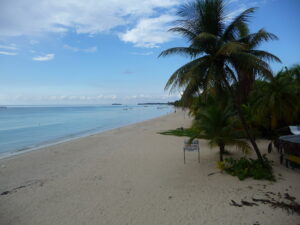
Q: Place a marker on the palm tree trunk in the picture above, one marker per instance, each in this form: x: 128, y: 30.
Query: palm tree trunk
x: 249, y: 135
x: 222, y: 149
x: 243, y: 121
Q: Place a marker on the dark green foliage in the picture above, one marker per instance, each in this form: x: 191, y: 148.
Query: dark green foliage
x: 245, y: 167
x: 223, y: 55
x: 180, y: 132
x: 275, y: 102
x: 226, y: 62
x: 217, y: 123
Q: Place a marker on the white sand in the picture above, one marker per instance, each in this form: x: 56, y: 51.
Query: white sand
x: 133, y: 175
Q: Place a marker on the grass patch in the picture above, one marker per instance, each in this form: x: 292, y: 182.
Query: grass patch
x: 244, y: 168
x: 180, y: 132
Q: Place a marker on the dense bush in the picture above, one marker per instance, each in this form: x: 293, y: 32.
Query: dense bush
x: 245, y: 167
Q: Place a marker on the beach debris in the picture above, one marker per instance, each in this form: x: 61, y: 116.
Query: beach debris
x: 233, y: 203
x: 11, y: 191
x: 288, y: 197
x: 290, y: 208
x: 27, y: 184
x: 213, y: 173
x: 246, y: 203
x: 243, y: 203
x: 170, y: 197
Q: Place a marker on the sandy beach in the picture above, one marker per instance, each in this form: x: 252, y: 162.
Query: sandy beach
x: 133, y: 175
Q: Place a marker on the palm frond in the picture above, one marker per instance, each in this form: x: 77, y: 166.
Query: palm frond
x: 186, y: 33
x: 211, y: 17
x: 265, y: 55
x: 255, y: 39
x: 183, y: 75
x: 185, y: 51
x: 231, y: 73
x: 229, y: 48
x: 241, y: 145
x: 238, y: 23
x: 249, y: 62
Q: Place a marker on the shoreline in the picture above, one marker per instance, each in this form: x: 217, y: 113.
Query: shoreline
x: 68, y: 138
x: 133, y: 175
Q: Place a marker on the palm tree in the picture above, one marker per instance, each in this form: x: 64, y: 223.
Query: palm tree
x: 294, y: 71
x: 218, y: 52
x: 218, y: 125
x: 276, y: 99
x: 246, y: 78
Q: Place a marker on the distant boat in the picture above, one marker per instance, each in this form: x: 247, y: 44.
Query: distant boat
x: 116, y: 104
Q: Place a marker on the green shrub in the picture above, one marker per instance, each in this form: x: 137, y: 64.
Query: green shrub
x: 181, y: 132
x: 245, y: 167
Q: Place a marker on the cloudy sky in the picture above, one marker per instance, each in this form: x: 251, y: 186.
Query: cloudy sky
x: 103, y: 51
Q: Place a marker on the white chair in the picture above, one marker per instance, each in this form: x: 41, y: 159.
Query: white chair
x: 191, y: 147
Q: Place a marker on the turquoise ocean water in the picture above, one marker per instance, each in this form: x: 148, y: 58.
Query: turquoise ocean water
x: 23, y: 128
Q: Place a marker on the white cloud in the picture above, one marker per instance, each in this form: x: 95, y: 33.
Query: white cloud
x: 151, y: 97
x: 89, y: 16
x: 235, y: 7
x: 234, y: 13
x: 78, y: 97
x: 34, y: 42
x: 150, y: 32
x: 9, y: 47
x: 142, y: 53
x: 75, y: 49
x: 146, y: 21
x: 84, y: 99
x: 7, y: 53
x: 91, y: 49
x: 46, y: 57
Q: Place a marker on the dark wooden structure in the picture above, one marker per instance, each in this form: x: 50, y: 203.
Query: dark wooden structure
x: 289, y: 148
